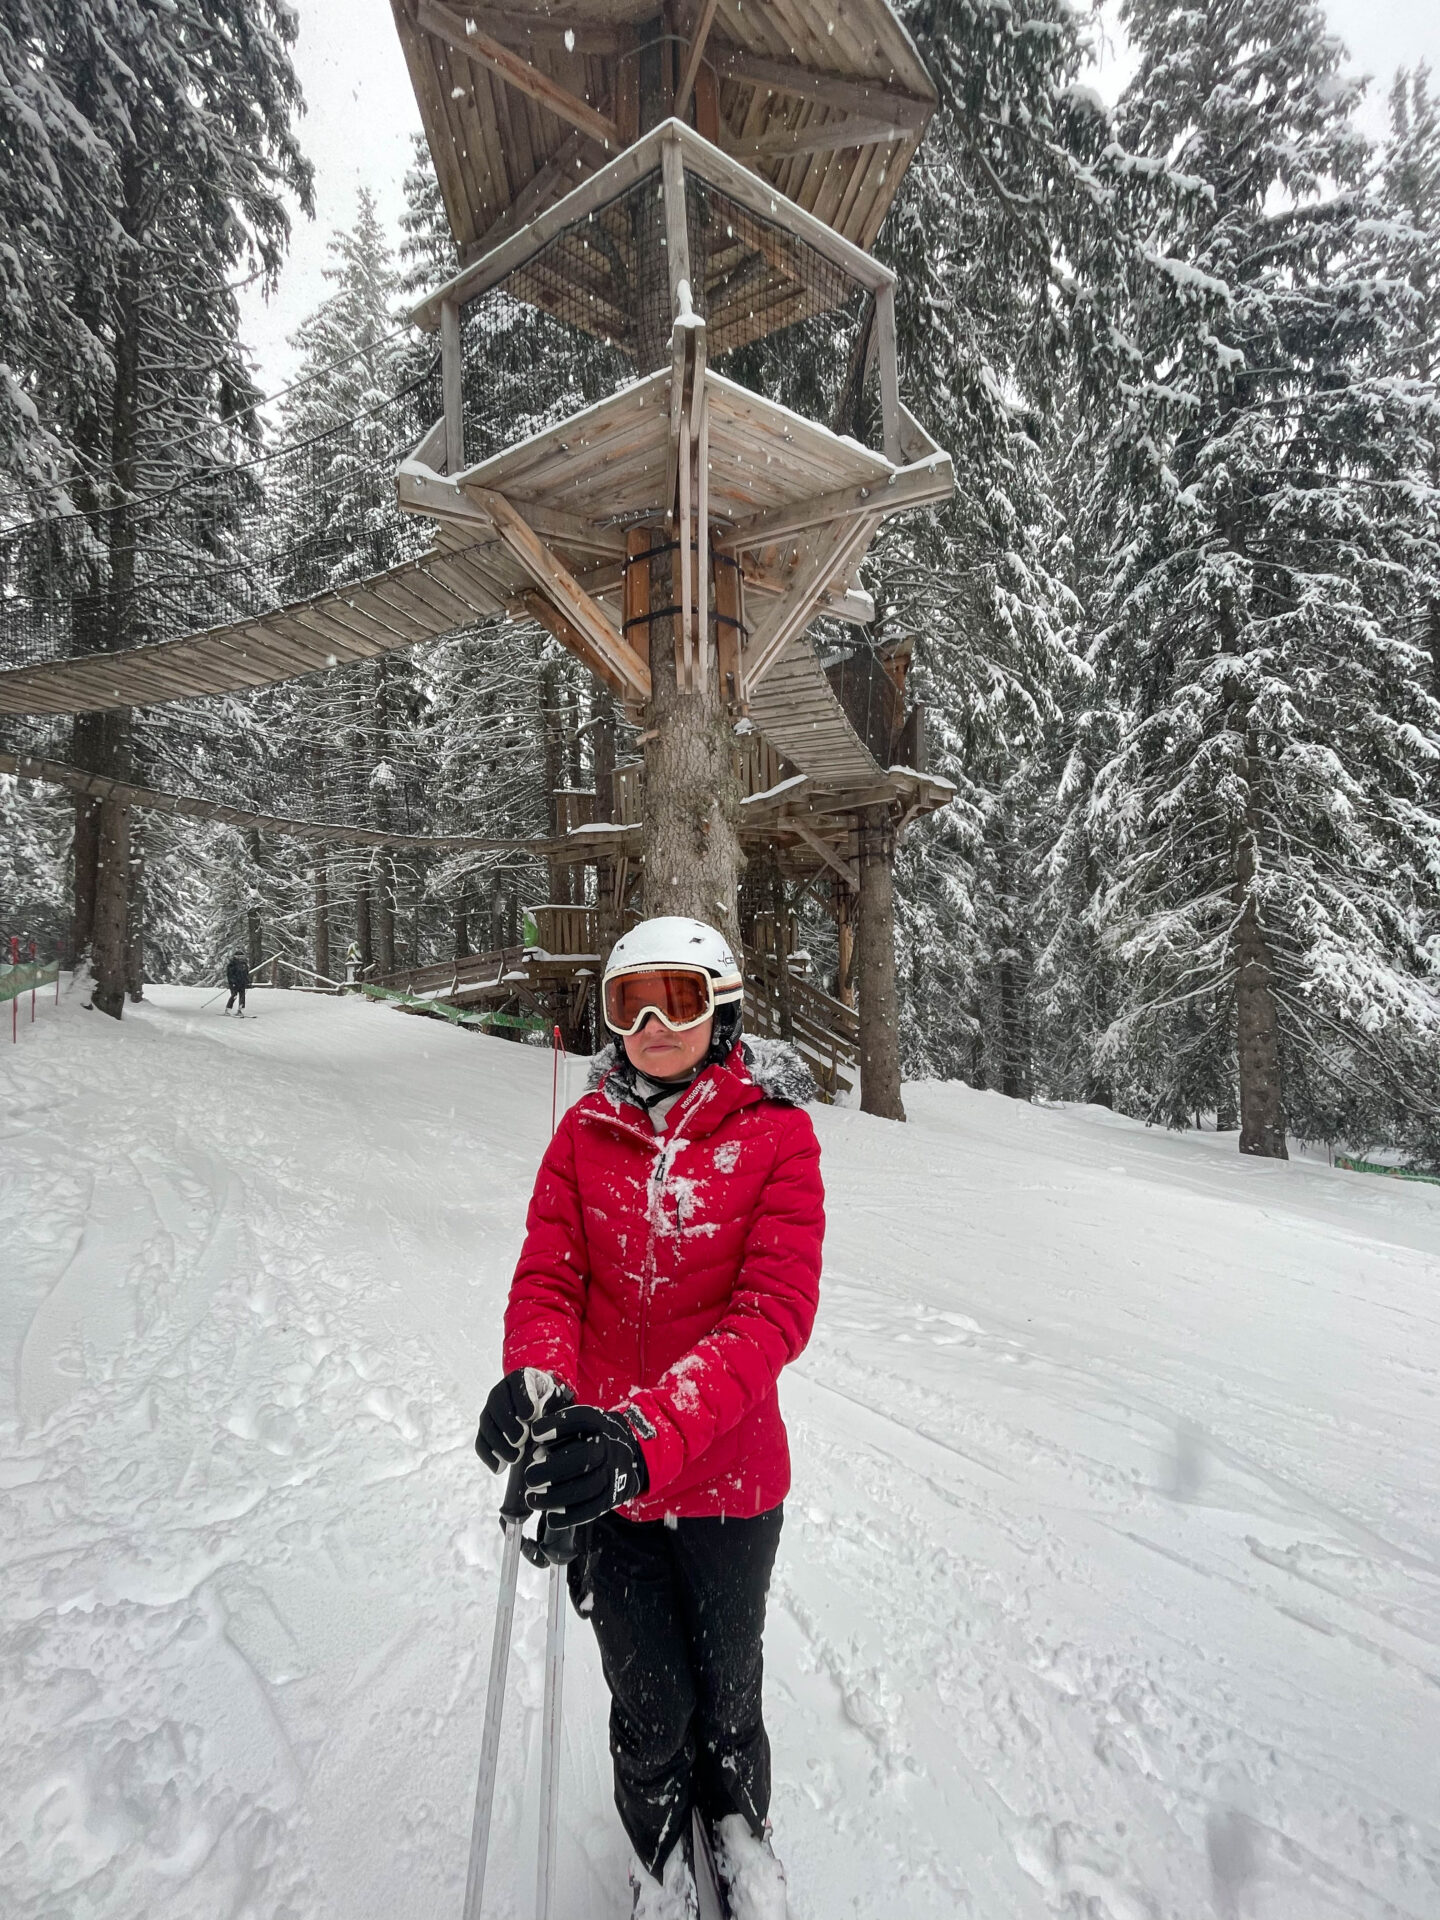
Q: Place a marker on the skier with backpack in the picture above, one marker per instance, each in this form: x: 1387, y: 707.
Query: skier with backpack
x: 237, y: 979
x: 670, y: 1270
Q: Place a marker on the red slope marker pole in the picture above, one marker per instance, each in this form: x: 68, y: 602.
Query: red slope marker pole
x: 32, y: 983
x: 557, y: 1047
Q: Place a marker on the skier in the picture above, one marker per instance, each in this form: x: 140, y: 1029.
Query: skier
x: 237, y: 978
x: 670, y: 1270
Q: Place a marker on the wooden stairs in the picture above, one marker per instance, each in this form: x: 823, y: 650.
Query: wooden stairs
x: 553, y: 980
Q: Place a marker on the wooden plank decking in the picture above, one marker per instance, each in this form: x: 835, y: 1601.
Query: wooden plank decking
x: 419, y: 600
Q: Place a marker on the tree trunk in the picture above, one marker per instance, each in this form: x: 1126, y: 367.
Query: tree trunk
x: 364, y: 933
x: 385, y: 914
x: 135, y: 918
x: 875, y: 970
x: 108, y: 951
x: 692, y: 795
x: 99, y: 743
x: 552, y: 746
x: 460, y: 926
x: 87, y: 873
x: 1257, y: 1022
x: 322, y: 918
x: 602, y: 748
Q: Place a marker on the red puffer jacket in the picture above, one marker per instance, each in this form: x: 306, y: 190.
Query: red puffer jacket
x: 677, y: 1273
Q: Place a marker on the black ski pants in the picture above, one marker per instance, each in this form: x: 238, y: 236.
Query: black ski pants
x: 679, y: 1612
x: 236, y: 992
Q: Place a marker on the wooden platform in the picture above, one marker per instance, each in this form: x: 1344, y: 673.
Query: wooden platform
x: 795, y: 502
x: 826, y: 100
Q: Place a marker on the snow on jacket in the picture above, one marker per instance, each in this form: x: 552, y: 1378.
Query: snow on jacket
x: 676, y: 1273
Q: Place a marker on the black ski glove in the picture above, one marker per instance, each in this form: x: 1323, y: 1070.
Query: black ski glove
x: 586, y: 1462
x: 513, y: 1404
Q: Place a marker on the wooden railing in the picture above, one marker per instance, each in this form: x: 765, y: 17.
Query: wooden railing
x: 475, y: 969
x: 823, y: 1030
x: 565, y: 929
x: 759, y: 767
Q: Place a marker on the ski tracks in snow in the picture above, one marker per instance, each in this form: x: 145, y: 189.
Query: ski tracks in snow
x: 233, y: 1484
x: 1108, y: 1589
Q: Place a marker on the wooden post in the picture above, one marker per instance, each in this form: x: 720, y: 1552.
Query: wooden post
x: 111, y: 908
x: 677, y: 231
x: 845, y: 943
x: 875, y: 969
x: 886, y: 347
x: 452, y: 386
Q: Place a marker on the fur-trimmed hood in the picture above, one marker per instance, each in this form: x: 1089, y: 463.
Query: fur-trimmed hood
x: 774, y: 1065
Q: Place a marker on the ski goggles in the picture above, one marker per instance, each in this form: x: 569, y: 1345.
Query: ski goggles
x: 679, y: 997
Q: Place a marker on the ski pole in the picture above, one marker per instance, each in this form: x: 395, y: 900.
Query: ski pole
x: 550, y: 1740
x: 512, y: 1520
x: 553, y: 1547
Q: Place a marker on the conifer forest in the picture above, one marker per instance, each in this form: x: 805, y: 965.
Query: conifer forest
x: 1176, y: 634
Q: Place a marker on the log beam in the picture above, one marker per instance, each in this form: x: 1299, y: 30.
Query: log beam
x: 694, y: 54
x: 847, y: 95
x: 559, y: 585
x: 929, y: 480
x: 517, y: 72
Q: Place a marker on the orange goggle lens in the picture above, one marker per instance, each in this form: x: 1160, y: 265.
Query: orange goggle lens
x: 681, y: 997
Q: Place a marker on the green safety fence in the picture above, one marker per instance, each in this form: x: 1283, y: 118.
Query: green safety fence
x: 457, y: 1016
x: 18, y: 980
x: 1353, y: 1165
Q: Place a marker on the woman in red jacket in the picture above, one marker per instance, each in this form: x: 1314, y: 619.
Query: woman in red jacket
x: 670, y: 1270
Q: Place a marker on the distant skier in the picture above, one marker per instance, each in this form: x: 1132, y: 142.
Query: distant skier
x: 237, y: 978
x: 670, y: 1270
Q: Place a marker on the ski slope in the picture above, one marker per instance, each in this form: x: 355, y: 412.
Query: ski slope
x: 1110, y: 1585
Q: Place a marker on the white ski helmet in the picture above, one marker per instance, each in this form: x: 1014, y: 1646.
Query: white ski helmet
x: 673, y: 941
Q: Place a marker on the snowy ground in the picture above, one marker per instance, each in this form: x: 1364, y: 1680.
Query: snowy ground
x: 1110, y: 1585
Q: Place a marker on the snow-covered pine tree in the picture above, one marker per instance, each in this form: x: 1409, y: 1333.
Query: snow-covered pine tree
x: 1410, y: 235
x: 1023, y: 237
x: 1268, y: 847
x: 147, y: 148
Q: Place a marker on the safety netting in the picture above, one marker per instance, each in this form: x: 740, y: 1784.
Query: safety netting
x: 223, y: 543
x: 590, y: 313
x: 354, y: 747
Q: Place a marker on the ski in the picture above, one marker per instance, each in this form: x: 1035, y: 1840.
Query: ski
x: 713, y: 1903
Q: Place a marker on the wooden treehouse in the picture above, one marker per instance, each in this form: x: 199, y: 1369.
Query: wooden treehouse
x: 678, y: 461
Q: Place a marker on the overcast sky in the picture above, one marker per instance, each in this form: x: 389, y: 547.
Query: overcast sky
x: 362, y: 114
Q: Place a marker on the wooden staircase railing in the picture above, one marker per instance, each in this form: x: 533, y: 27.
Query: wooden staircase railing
x: 823, y: 1030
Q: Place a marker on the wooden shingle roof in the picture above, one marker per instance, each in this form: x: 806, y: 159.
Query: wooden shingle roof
x: 825, y: 99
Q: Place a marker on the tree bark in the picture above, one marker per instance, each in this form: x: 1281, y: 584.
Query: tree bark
x: 552, y: 743
x: 691, y: 808
x: 1257, y: 1030
x: 385, y: 914
x: 87, y: 874
x: 135, y: 917
x: 364, y: 932
x: 602, y: 748
x: 322, y: 917
x: 108, y: 950
x: 875, y: 970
